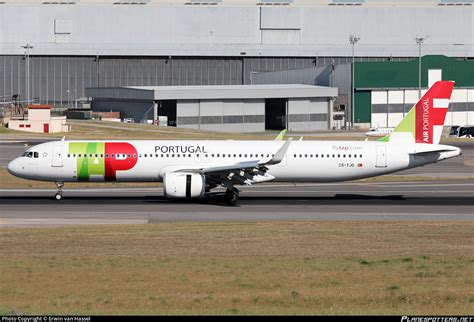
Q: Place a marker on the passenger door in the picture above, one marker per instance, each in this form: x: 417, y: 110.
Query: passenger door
x: 57, y: 160
x: 381, y: 158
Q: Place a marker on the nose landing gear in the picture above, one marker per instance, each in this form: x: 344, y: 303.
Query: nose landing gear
x: 59, y: 194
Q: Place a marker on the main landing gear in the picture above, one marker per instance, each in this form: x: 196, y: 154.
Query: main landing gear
x: 231, y: 196
x: 59, y: 194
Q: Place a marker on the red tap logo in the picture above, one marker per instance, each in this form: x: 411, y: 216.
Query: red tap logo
x: 122, y: 156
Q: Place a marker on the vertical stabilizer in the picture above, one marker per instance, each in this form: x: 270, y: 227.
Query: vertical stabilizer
x: 426, y: 119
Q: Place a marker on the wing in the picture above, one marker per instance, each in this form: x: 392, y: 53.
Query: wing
x: 248, y: 172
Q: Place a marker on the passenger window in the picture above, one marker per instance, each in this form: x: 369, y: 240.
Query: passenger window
x: 240, y: 155
x: 129, y: 155
x: 294, y: 155
x: 327, y: 155
x: 156, y: 155
x: 343, y: 155
x: 68, y: 155
x: 361, y: 155
x: 96, y: 155
x: 113, y: 155
x: 310, y: 155
x: 333, y: 155
x: 172, y: 155
x: 350, y: 155
x: 305, y: 155
x: 315, y: 155
x: 162, y: 155
x: 218, y: 155
x: 338, y: 155
x: 189, y: 155
x: 90, y: 155
x: 74, y: 155
x: 144, y: 155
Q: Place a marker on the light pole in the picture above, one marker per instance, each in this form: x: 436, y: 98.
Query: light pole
x: 68, y: 91
x: 75, y: 98
x: 419, y: 40
x: 352, y: 40
x: 27, y: 48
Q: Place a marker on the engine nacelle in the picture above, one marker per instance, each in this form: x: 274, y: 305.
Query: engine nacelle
x: 184, y: 185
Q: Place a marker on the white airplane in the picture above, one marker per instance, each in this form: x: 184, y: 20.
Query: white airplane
x: 379, y: 131
x: 190, y: 169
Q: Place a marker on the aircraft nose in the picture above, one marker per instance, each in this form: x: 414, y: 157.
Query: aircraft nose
x: 14, y: 167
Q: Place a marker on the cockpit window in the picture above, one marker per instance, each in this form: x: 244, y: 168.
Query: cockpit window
x: 36, y: 154
x: 29, y: 154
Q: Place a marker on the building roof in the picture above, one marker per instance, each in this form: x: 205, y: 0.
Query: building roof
x: 211, y: 92
x: 277, y: 3
x: 39, y: 107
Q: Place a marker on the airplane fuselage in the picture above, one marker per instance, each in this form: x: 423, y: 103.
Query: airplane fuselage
x: 149, y: 161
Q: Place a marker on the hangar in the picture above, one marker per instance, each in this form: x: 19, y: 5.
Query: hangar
x: 62, y: 47
x: 386, y: 91
x: 235, y: 108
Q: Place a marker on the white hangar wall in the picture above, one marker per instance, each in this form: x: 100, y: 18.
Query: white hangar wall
x: 162, y: 30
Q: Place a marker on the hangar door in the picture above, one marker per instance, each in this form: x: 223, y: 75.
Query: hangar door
x: 275, y: 113
x: 168, y: 108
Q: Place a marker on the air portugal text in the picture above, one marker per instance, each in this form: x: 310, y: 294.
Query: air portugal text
x: 180, y: 149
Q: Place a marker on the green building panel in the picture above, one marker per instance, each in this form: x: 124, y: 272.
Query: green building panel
x: 373, y: 75
x: 363, y: 102
x: 386, y: 75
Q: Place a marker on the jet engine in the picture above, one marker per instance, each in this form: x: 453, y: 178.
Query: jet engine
x: 184, y: 185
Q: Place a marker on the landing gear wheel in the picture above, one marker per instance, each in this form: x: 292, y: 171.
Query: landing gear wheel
x: 59, y: 194
x: 231, y: 196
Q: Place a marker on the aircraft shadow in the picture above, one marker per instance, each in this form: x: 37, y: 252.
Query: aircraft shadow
x: 335, y: 200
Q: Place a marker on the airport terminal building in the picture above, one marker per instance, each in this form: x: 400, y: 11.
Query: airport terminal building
x: 77, y: 44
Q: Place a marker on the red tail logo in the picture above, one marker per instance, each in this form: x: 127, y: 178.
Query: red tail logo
x: 431, y: 111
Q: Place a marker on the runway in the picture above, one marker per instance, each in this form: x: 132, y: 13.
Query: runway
x: 417, y: 201
x: 355, y: 201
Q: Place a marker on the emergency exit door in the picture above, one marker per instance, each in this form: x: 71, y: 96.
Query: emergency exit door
x: 381, y: 159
